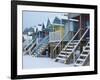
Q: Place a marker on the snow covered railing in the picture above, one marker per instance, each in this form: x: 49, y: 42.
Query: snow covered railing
x: 82, y: 37
x: 66, y: 34
x: 32, y: 45
x: 45, y: 40
x: 29, y: 45
x: 73, y: 37
x: 79, y: 42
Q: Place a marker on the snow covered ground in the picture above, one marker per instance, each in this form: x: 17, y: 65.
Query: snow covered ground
x: 30, y: 62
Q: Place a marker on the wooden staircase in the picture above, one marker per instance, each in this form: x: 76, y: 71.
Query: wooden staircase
x: 66, y: 54
x: 38, y: 52
x: 41, y: 47
x: 83, y: 59
x: 29, y: 47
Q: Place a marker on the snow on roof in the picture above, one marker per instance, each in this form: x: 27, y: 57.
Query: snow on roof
x: 58, y: 24
x: 63, y: 17
x: 66, y: 18
x: 39, y: 26
x: 74, y: 20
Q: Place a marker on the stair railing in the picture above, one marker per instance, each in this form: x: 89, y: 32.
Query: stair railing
x: 79, y: 43
x: 37, y: 46
x: 81, y: 39
x: 85, y: 46
x: 60, y: 41
x: 83, y: 35
x: 31, y: 44
x: 46, y: 38
x: 82, y: 52
x: 29, y: 50
x: 73, y: 38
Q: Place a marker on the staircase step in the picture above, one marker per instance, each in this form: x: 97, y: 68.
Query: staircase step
x: 87, y: 46
x: 85, y: 53
x: 61, y: 55
x: 79, y: 62
x: 68, y: 50
x: 72, y: 44
x: 70, y: 47
x: 86, y: 50
x: 64, y: 54
x: 63, y: 51
x: 75, y: 41
x: 80, y: 59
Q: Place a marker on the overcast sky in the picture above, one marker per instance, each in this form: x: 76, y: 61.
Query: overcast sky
x: 33, y: 18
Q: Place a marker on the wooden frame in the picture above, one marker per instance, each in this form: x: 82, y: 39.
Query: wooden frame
x: 14, y: 46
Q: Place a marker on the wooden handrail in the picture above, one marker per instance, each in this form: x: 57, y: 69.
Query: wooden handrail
x: 30, y: 48
x: 30, y: 43
x: 61, y: 41
x: 73, y: 37
x: 82, y: 51
x: 83, y: 35
x: 81, y: 39
x: 39, y: 44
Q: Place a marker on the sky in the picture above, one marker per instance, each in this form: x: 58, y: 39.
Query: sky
x: 33, y: 18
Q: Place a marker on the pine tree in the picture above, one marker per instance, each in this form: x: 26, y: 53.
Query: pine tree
x: 43, y: 26
x: 31, y: 29
x: 48, y: 23
x: 36, y: 29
